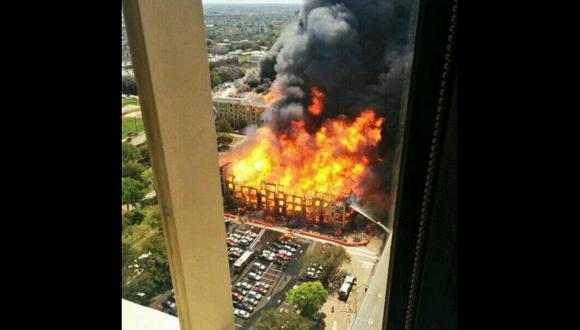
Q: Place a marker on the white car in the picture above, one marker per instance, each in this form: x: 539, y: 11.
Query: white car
x: 241, y: 313
x: 244, y: 285
x: 255, y: 295
x: 263, y: 285
x: 289, y: 248
x: 259, y: 266
x: 254, y: 276
x: 251, y: 300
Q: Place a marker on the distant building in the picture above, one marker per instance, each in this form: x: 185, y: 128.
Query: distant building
x: 240, y: 111
x: 256, y: 55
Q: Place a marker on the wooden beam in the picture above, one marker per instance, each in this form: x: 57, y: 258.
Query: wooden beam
x: 167, y: 42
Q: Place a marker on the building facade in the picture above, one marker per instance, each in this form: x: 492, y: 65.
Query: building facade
x: 239, y: 112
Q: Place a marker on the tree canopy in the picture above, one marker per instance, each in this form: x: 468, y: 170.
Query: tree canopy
x: 332, y: 256
x: 223, y: 125
x: 131, y: 191
x: 133, y: 170
x: 275, y: 320
x: 224, y: 140
x: 309, y: 296
x: 129, y: 152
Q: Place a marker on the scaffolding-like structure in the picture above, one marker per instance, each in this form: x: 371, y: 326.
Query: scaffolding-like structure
x: 319, y: 208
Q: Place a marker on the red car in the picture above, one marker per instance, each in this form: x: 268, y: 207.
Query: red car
x: 237, y: 297
x: 282, y: 256
x: 259, y: 290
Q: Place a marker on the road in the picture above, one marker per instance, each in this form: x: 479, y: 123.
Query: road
x: 370, y: 314
x: 138, y: 139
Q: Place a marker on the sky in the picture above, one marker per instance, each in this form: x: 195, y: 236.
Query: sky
x: 253, y: 1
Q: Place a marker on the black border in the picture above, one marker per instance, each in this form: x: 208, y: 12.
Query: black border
x: 428, y: 66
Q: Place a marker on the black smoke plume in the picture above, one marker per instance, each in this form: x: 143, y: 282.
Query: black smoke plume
x: 358, y: 52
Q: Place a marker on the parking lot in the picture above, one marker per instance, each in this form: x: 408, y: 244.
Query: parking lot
x: 275, y: 277
x: 273, y: 267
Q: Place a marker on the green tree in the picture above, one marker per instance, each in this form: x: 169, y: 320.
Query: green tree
x: 133, y: 170
x: 274, y: 320
x: 147, y: 177
x: 215, y: 78
x: 309, y: 296
x: 157, y: 263
x: 144, y: 150
x: 222, y: 125
x: 134, y: 216
x: 224, y: 140
x: 152, y: 275
x: 131, y: 191
x: 129, y: 152
x: 153, y: 216
x: 127, y: 257
x: 332, y: 256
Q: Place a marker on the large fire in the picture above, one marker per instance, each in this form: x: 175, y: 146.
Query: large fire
x: 331, y: 160
x: 317, y: 104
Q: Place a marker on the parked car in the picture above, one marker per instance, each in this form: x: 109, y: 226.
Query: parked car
x: 247, y: 307
x: 237, y: 304
x: 231, y: 243
x: 241, y: 313
x: 259, y: 290
x: 251, y: 301
x: 243, y: 242
x: 280, y: 262
x: 259, y: 266
x: 263, y: 285
x: 241, y: 291
x: 285, y: 252
x: 294, y: 245
x: 255, y: 295
x: 289, y: 248
x: 237, y: 297
x: 244, y: 285
x: 277, y: 245
x: 254, y: 276
x: 282, y: 256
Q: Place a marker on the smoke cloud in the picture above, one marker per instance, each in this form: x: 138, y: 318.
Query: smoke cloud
x: 358, y: 52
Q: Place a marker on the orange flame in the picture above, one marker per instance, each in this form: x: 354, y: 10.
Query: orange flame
x: 317, y: 104
x: 332, y: 160
x: 274, y: 94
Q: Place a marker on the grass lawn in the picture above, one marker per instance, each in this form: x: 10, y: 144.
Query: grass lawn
x: 129, y: 102
x: 129, y: 125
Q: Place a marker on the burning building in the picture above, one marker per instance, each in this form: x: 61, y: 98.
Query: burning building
x: 276, y: 202
x: 330, y: 114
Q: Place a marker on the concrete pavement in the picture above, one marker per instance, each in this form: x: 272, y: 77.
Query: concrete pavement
x: 370, y: 314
